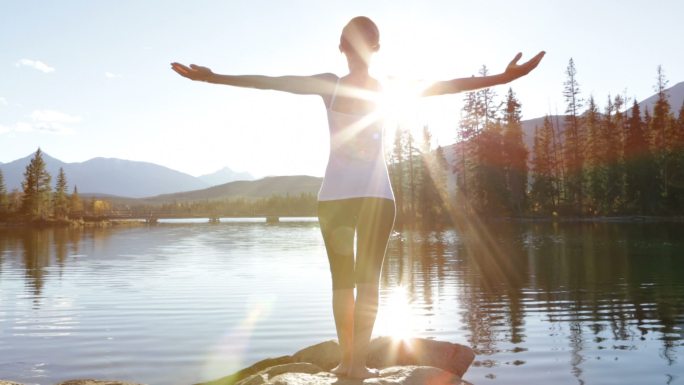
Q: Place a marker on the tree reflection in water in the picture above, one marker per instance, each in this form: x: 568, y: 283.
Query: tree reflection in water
x: 517, y: 293
x: 44, y: 248
x: 599, y: 286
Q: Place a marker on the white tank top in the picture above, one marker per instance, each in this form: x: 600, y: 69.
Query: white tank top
x: 356, y: 165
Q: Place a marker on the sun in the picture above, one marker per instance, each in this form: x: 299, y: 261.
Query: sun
x: 398, y: 102
x: 395, y: 318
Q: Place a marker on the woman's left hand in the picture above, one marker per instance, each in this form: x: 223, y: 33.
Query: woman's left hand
x: 194, y: 72
x: 515, y: 70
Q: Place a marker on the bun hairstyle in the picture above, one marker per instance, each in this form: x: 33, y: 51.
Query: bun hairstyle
x: 360, y: 34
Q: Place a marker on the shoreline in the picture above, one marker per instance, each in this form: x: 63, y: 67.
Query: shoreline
x: 620, y: 219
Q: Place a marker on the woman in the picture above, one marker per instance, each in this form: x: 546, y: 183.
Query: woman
x: 355, y: 198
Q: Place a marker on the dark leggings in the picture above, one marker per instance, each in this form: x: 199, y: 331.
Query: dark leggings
x: 371, y: 220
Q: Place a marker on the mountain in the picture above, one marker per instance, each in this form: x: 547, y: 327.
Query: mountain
x: 108, y: 176
x: 675, y: 97
x: 266, y: 187
x: 225, y: 175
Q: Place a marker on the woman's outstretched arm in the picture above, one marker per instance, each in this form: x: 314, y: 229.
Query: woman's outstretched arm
x: 322, y: 84
x: 512, y: 72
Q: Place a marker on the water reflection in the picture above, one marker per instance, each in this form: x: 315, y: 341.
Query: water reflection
x: 43, y: 248
x: 601, y: 287
x: 545, y: 297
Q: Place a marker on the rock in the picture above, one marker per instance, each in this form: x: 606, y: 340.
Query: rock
x: 417, y: 361
x: 325, y: 354
x: 312, y: 375
x: 386, y: 351
x: 264, y: 376
x: 246, y: 372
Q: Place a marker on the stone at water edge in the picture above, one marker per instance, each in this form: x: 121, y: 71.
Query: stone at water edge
x: 253, y: 369
x: 325, y: 354
x: 4, y: 382
x: 267, y: 374
x: 385, y: 352
x: 309, y: 374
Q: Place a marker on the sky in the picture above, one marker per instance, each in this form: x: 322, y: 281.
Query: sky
x: 83, y: 79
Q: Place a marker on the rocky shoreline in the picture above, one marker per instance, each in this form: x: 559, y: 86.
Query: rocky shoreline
x: 416, y: 361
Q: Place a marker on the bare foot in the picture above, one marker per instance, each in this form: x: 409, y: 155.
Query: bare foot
x: 340, y: 370
x: 363, y: 373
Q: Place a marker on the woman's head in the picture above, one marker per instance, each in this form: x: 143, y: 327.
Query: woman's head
x: 360, y: 37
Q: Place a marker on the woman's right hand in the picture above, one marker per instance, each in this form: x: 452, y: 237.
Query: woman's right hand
x: 194, y: 72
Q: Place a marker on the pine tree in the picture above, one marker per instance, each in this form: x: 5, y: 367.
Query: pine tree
x: 543, y: 191
x: 60, y: 199
x: 439, y: 171
x: 75, y: 204
x: 660, y: 145
x: 514, y: 154
x: 637, y: 159
x: 558, y: 161
x: 482, y: 151
x: 612, y: 138
x: 677, y: 171
x: 486, y: 102
x: 36, y: 186
x: 469, y: 129
x: 619, y: 132
x: 574, y: 139
x: 595, y: 159
x: 492, y: 195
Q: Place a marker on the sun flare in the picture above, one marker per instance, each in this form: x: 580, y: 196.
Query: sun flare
x: 398, y: 103
x: 395, y: 316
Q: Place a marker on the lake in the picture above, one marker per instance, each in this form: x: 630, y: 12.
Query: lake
x: 187, y: 301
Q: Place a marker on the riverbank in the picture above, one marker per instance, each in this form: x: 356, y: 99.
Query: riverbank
x: 101, y: 223
x: 595, y: 219
x: 61, y: 223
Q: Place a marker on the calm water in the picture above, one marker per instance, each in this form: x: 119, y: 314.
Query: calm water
x: 180, y: 303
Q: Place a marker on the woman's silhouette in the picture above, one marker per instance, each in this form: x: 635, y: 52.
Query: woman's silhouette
x: 355, y: 199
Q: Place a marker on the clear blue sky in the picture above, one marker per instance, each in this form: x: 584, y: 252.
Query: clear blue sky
x: 84, y: 78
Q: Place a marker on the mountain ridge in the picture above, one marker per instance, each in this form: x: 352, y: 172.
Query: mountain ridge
x: 113, y: 176
x: 225, y: 175
x: 260, y: 188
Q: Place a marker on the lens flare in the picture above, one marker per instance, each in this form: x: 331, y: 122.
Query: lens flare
x: 395, y: 318
x: 229, y: 351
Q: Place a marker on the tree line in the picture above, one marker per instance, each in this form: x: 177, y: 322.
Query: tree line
x: 38, y: 200
x: 615, y: 160
x: 610, y: 161
x: 589, y: 162
x: 303, y: 204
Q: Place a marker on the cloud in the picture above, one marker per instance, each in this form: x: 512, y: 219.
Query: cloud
x: 35, y: 64
x: 50, y: 121
x: 54, y: 121
x: 3, y: 102
x: 111, y: 75
x: 52, y: 116
x: 16, y: 127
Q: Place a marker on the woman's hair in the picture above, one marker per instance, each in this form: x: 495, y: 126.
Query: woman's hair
x: 360, y: 32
